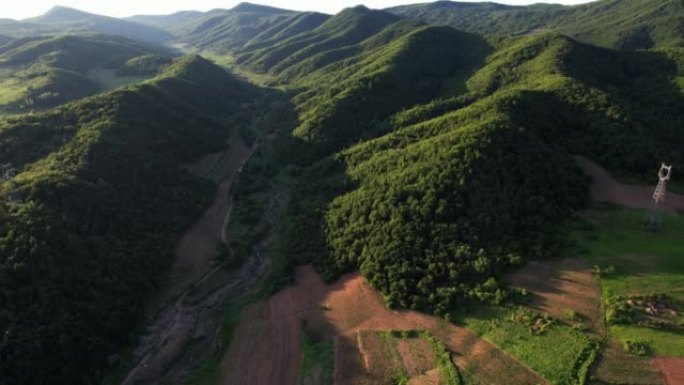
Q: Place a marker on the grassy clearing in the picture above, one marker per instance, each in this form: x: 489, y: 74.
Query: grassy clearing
x: 11, y: 90
x: 560, y: 353
x: 318, y: 360
x: 645, y: 262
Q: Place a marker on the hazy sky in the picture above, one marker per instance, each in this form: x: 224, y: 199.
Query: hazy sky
x: 26, y: 8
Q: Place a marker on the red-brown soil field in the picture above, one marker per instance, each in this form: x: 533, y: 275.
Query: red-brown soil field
x: 266, y: 345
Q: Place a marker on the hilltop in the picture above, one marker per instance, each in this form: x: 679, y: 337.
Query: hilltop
x: 60, y: 19
x: 628, y: 24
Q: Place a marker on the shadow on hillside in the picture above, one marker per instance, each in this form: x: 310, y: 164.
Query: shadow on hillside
x: 630, y: 127
x: 651, y: 104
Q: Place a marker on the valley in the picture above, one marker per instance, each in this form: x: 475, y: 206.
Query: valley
x: 440, y: 193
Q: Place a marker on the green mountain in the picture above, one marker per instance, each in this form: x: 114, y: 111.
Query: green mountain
x: 463, y: 187
x: 429, y: 158
x: 627, y: 24
x: 67, y: 19
x: 167, y: 22
x: 225, y: 30
x: 102, y: 202
x: 41, y: 72
x: 351, y: 26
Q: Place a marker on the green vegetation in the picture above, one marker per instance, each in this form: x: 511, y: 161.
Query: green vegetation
x: 318, y: 360
x: 647, y: 264
x: 103, y: 201
x: 226, y: 30
x: 561, y: 354
x: 430, y: 159
x: 60, y: 19
x: 627, y: 24
x: 425, y: 211
x: 44, y: 72
x: 390, y: 351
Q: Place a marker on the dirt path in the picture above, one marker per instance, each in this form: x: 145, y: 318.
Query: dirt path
x: 195, y: 251
x: 184, y: 327
x: 604, y: 188
x: 266, y: 345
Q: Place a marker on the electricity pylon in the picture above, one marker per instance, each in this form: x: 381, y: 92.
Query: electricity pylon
x: 664, y: 175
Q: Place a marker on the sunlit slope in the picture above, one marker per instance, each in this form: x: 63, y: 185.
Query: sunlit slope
x: 464, y: 186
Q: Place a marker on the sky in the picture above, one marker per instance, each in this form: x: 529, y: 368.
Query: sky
x: 27, y: 8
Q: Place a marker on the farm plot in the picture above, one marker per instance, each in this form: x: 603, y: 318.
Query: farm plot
x: 636, y: 266
x: 266, y: 346
x: 407, y: 357
x: 560, y: 353
x: 564, y: 289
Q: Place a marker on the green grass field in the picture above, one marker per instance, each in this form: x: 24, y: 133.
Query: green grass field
x: 560, y: 354
x: 11, y: 88
x: 645, y: 261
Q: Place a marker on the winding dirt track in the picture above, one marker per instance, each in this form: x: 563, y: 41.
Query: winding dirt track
x: 184, y: 328
x: 266, y: 345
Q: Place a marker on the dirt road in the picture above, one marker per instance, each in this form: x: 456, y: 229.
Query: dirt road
x: 183, y: 329
x: 604, y: 188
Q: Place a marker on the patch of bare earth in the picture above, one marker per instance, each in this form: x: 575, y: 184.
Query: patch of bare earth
x: 672, y: 369
x: 266, y: 344
x: 559, y: 286
x: 377, y: 358
x: 431, y: 377
x: 604, y: 188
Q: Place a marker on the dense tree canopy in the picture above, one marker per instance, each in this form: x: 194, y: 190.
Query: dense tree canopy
x: 100, y: 215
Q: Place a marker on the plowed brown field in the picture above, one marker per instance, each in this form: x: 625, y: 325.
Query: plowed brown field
x: 266, y: 346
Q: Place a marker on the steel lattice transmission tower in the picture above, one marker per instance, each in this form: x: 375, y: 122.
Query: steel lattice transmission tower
x: 664, y: 175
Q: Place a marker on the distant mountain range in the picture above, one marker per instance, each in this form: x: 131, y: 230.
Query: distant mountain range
x: 627, y: 24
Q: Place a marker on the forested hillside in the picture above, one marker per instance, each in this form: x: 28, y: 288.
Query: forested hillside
x: 40, y: 72
x: 102, y: 202
x: 627, y: 24
x: 430, y: 158
x: 226, y: 30
x: 479, y: 178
